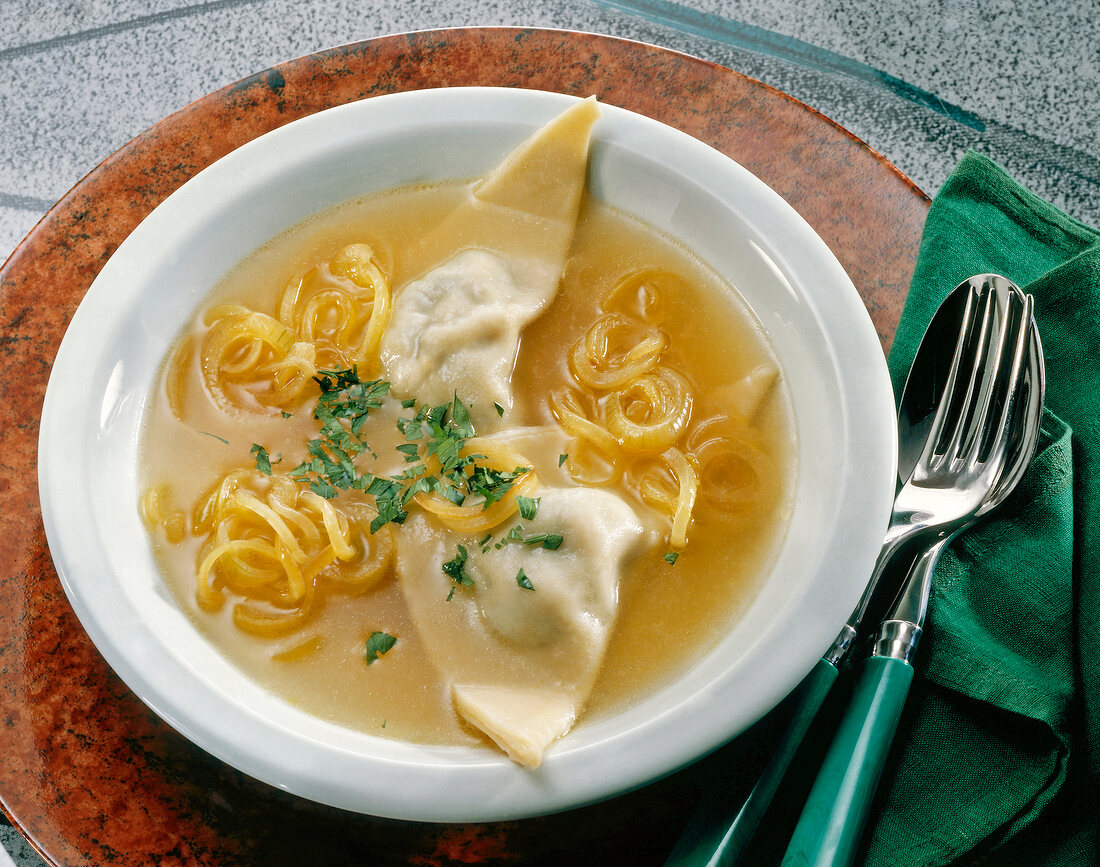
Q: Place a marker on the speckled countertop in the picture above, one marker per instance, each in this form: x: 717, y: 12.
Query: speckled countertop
x: 919, y: 80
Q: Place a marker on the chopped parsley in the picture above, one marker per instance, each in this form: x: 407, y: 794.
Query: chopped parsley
x: 528, y: 507
x: 562, y: 459
x: 549, y: 541
x: 456, y: 569
x: 671, y: 557
x: 388, y: 500
x: 263, y: 459
x: 441, y: 432
x: 515, y: 536
x: 344, y: 397
x: 499, y: 409
x: 411, y: 451
x: 523, y: 581
x: 379, y: 644
x: 432, y: 435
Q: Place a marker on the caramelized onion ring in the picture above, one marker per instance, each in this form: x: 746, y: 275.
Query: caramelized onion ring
x: 737, y: 475
x: 251, y: 359
x: 343, y: 307
x: 642, y: 294
x: 591, y: 360
x: 588, y: 465
x: 679, y: 505
x: 651, y: 413
x: 269, y: 541
x: 564, y: 406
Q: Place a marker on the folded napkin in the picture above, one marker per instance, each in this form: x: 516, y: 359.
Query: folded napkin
x: 997, y: 760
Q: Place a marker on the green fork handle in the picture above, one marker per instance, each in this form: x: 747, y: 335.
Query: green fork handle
x: 829, y: 830
x: 711, y: 838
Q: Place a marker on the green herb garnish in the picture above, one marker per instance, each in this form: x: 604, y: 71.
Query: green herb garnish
x: 437, y: 432
x: 523, y: 581
x: 388, y: 500
x: 671, y: 557
x: 552, y: 541
x: 344, y: 398
x: 528, y: 507
x: 456, y: 569
x: 562, y: 459
x: 410, y: 451
x: 442, y: 432
x: 263, y: 459
x: 499, y: 408
x: 379, y: 644
x: 549, y: 541
x: 515, y: 536
x: 344, y: 395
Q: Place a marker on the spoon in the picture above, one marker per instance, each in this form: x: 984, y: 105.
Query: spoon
x: 829, y: 829
x: 937, y: 379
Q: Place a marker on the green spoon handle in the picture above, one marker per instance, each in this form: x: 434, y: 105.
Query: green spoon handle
x: 829, y: 829
x: 711, y: 838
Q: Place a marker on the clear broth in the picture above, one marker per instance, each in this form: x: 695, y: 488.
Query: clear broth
x: 669, y: 616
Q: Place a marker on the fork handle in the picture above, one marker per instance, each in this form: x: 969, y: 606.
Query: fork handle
x: 711, y: 837
x: 829, y: 829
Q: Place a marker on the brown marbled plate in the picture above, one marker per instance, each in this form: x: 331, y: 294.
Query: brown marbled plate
x: 91, y: 775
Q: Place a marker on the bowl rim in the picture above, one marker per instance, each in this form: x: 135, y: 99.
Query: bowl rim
x: 330, y: 766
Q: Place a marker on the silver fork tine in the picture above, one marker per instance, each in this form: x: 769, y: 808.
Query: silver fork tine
x: 1033, y: 378
x: 990, y: 373
x: 952, y: 414
x: 962, y: 343
x: 1010, y: 385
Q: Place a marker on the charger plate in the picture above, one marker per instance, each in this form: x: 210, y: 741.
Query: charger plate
x: 92, y: 776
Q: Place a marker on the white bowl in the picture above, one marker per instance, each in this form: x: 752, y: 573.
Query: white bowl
x: 104, y: 374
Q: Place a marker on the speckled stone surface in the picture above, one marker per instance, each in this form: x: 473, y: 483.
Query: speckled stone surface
x: 87, y: 771
x: 919, y: 80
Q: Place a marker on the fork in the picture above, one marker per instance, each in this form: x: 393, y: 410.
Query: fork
x: 713, y: 839
x: 969, y: 465
x: 966, y: 448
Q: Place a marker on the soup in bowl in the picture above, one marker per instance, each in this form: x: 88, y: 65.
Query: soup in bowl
x: 468, y: 454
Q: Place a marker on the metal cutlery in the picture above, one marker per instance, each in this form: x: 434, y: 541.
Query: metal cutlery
x: 831, y: 823
x: 976, y: 323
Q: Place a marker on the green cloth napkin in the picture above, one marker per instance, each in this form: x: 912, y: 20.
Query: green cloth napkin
x: 997, y: 760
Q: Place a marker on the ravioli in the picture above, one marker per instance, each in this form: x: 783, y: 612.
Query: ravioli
x: 539, y: 647
x: 497, y: 260
x: 540, y: 617
x: 456, y: 330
